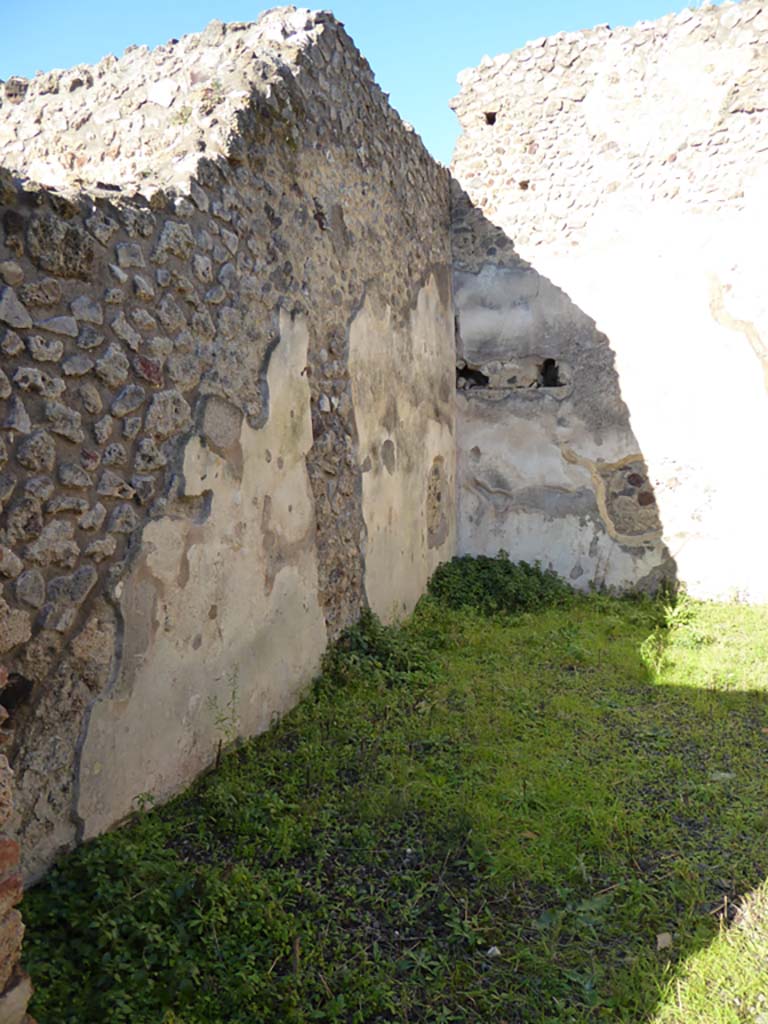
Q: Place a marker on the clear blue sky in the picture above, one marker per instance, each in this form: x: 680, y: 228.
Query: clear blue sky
x: 415, y: 48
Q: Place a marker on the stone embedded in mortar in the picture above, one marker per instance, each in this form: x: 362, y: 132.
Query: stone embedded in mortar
x: 15, y: 627
x: 149, y: 369
x: 65, y: 503
x: 10, y: 564
x: 25, y: 520
x: 101, y: 227
x: 7, y: 487
x: 74, y: 589
x: 175, y: 240
x: 170, y: 314
x: 131, y: 426
x: 46, y: 292
x: 60, y: 247
x: 11, y: 273
x: 143, y: 289
x: 90, y: 338
x: 39, y: 486
x: 184, y: 370
x: 72, y: 475
x: 55, y: 546
x: 77, y: 365
x: 64, y: 421
x: 125, y: 332
x: 66, y: 325
x: 94, y: 519
x: 17, y: 417
x: 12, y: 312
x: 114, y: 455
x: 129, y: 254
x: 148, y: 456
x: 30, y: 378
x: 5, y: 385
x: 143, y: 320
x: 11, y: 345
x: 169, y: 413
x: 202, y: 268
x: 111, y: 485
x: 100, y: 549
x: 123, y: 519
x: 128, y: 400
x: 138, y: 221
x: 113, y: 367
x: 160, y: 347
x: 45, y: 350
x: 144, y: 486
x: 37, y: 452
x: 60, y: 618
x: 87, y: 310
x: 89, y: 459
x: 90, y: 397
x: 30, y: 588
x: 102, y: 429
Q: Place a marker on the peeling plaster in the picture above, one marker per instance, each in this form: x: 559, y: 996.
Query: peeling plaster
x: 213, y: 610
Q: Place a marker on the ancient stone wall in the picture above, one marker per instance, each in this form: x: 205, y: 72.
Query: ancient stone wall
x: 609, y: 226
x: 228, y: 355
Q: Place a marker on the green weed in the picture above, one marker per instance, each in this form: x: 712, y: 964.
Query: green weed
x: 541, y: 816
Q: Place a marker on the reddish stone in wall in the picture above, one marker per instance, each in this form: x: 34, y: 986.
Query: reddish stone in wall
x: 9, y: 855
x: 11, y: 892
x: 11, y: 936
x: 6, y: 793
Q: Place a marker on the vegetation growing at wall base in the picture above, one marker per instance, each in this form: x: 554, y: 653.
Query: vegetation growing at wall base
x: 551, y: 816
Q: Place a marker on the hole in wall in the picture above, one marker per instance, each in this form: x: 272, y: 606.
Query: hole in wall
x: 549, y: 374
x: 490, y: 117
x: 466, y: 377
x: 15, y: 692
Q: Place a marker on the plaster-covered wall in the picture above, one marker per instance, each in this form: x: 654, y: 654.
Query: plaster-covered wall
x: 407, y: 444
x: 205, y: 650
x: 612, y: 220
x: 195, y: 298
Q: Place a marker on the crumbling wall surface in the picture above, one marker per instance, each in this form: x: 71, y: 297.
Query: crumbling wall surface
x: 187, y: 430
x: 15, y: 985
x: 612, y: 221
x: 407, y: 444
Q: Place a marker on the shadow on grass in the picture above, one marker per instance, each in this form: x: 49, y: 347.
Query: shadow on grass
x: 536, y: 818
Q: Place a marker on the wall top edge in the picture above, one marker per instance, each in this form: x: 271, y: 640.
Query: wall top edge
x: 140, y: 124
x: 736, y: 22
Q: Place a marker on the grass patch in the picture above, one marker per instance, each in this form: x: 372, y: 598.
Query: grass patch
x: 471, y: 817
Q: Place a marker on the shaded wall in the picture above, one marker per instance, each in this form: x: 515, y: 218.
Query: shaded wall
x: 625, y: 171
x: 210, y: 322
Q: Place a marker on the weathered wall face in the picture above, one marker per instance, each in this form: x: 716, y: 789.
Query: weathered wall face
x: 620, y: 180
x: 404, y: 391
x: 189, y: 329
x: 205, y: 651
